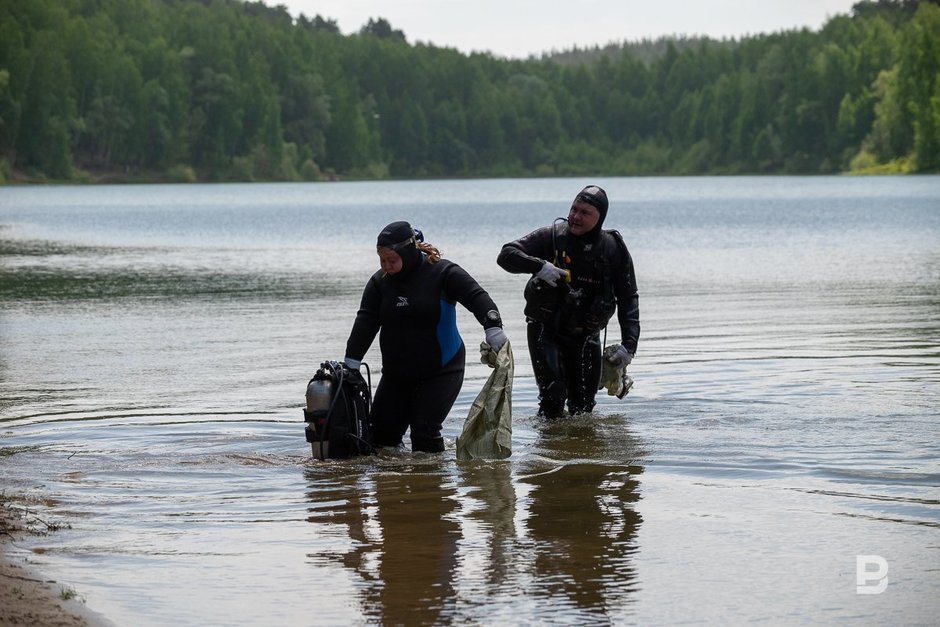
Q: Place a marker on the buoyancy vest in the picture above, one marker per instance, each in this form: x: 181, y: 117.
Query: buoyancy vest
x: 584, y: 303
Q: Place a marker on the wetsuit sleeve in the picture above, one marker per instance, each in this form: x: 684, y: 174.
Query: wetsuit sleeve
x: 628, y: 300
x: 366, y: 325
x: 463, y: 288
x: 526, y: 255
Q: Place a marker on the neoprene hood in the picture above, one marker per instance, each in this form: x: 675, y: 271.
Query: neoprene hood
x: 400, y: 237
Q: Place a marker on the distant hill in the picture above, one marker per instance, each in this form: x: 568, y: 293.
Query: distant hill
x: 648, y: 51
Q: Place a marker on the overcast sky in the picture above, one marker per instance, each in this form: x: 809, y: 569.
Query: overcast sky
x: 518, y: 28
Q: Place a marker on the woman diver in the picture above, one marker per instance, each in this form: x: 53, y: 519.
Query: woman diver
x: 411, y: 303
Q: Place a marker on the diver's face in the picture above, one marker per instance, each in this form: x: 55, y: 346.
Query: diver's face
x: 582, y: 217
x: 389, y: 260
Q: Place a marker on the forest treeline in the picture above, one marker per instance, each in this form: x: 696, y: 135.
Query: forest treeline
x: 224, y: 90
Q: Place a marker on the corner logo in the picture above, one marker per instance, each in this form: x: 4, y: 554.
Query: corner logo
x: 864, y: 576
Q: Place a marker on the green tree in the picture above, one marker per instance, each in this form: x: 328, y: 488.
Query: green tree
x: 306, y: 113
x: 918, y: 82
x: 239, y: 90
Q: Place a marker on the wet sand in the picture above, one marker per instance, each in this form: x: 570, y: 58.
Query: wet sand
x: 26, y: 597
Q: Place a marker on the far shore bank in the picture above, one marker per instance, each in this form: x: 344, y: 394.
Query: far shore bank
x: 187, y: 175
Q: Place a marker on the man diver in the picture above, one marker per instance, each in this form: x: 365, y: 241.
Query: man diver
x: 581, y: 274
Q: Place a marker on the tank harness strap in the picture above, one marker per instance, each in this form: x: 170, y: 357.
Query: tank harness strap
x: 560, y: 244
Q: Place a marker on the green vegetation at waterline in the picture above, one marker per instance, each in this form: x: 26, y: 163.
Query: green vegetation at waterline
x: 67, y: 593
x: 187, y: 90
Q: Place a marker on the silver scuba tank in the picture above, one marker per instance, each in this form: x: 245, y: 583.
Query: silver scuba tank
x: 319, y: 398
x: 319, y: 394
x: 339, y: 401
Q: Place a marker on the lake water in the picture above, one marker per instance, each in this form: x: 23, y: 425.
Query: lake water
x: 783, y: 432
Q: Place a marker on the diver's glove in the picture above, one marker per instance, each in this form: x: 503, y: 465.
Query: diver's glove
x: 622, y: 357
x: 550, y: 273
x: 352, y: 364
x: 495, y: 337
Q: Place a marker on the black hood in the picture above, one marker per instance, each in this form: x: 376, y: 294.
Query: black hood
x: 400, y: 237
x: 597, y: 198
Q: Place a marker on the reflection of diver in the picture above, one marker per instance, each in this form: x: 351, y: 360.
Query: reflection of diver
x: 404, y: 537
x: 419, y: 541
x: 581, y: 514
x: 490, y: 484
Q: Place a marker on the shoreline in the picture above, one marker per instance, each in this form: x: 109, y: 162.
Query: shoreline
x: 26, y: 597
x: 95, y: 176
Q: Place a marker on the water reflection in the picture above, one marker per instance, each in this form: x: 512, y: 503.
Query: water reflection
x: 582, y: 516
x: 57, y: 272
x: 490, y: 502
x: 550, y: 535
x: 414, y: 513
x: 401, y: 546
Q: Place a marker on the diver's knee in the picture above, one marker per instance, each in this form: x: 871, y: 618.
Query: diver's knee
x: 552, y: 400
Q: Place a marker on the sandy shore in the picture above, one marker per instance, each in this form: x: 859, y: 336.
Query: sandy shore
x: 26, y: 597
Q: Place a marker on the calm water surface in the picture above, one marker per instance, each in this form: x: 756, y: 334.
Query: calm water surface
x: 155, y: 342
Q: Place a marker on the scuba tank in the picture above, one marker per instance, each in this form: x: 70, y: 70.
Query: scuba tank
x: 337, y: 412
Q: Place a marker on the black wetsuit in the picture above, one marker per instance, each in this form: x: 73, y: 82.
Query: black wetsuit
x: 564, y: 322
x: 423, y: 354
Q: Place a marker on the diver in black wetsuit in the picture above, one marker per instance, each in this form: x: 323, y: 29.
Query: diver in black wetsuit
x: 410, y: 302
x: 581, y: 275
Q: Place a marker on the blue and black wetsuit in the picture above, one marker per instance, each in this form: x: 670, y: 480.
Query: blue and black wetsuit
x: 423, y: 355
